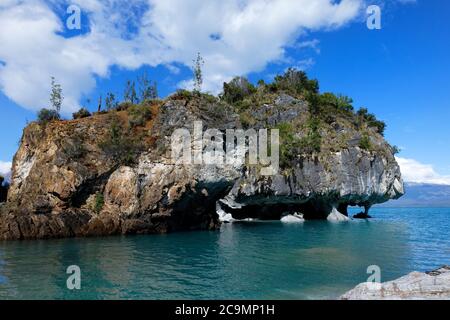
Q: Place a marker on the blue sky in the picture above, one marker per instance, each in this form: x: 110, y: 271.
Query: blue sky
x: 401, y: 72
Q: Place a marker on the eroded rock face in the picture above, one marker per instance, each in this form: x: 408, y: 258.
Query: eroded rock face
x: 353, y: 177
x: 321, y: 184
x: 55, y: 186
x: 414, y: 286
x: 64, y: 184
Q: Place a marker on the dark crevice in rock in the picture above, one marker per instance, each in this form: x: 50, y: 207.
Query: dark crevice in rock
x: 57, y: 195
x: 343, y: 208
x: 89, y: 187
x: 268, y: 212
x: 316, y: 209
x: 187, y: 214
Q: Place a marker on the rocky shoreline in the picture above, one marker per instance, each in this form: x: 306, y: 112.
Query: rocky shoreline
x: 433, y: 285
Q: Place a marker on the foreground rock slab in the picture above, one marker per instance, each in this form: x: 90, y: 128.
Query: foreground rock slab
x: 434, y: 285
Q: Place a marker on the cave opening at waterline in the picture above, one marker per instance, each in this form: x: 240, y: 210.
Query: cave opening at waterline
x: 314, y: 209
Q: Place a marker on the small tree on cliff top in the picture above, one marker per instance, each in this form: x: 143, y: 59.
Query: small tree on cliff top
x: 110, y: 101
x: 130, y: 94
x: 198, y: 73
x: 147, y: 89
x: 56, y: 96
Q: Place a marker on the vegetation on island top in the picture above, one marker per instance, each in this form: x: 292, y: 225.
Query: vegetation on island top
x: 325, y: 110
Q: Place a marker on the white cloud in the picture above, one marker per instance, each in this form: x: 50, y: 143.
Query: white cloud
x: 312, y: 44
x: 234, y: 37
x: 5, y: 169
x: 32, y: 52
x: 414, y: 171
x: 304, y: 64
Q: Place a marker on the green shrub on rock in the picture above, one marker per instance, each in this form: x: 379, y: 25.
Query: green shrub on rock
x: 120, y: 145
x: 123, y: 106
x: 365, y: 143
x: 295, y: 82
x: 47, y: 115
x: 138, y: 115
x: 237, y: 89
x: 312, y: 142
x: 182, y: 94
x: 289, y: 144
x: 99, y: 202
x: 336, y: 102
x: 82, y: 113
x: 370, y: 119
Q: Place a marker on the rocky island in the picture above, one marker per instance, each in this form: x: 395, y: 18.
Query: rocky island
x: 112, y: 172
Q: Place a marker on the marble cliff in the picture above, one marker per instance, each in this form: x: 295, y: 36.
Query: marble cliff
x: 112, y: 172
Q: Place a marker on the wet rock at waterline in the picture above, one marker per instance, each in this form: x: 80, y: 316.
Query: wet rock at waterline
x: 292, y: 218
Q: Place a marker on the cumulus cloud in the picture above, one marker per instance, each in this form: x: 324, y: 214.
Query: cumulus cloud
x: 5, y: 169
x: 312, y: 44
x: 235, y: 37
x: 33, y: 50
x: 414, y: 171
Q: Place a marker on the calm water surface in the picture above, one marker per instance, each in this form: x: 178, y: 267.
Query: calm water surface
x: 258, y: 260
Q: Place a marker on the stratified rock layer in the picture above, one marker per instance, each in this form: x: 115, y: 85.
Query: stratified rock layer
x: 64, y: 184
x: 414, y: 286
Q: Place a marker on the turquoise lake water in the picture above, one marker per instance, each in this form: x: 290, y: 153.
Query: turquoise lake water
x: 254, y: 260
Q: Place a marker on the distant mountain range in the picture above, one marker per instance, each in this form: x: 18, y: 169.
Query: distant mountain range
x: 422, y: 195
